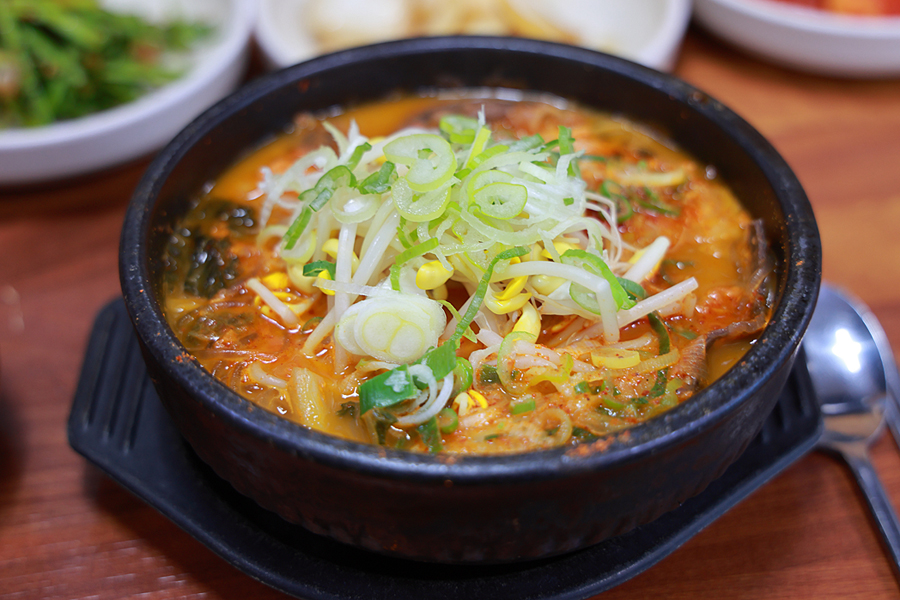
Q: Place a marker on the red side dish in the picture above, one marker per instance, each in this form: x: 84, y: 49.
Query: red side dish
x: 873, y: 8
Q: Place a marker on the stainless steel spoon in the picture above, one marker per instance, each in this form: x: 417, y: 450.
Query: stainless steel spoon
x: 855, y: 377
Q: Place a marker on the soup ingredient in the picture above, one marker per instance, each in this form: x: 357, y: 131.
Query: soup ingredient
x: 62, y: 59
x: 336, y: 24
x: 490, y: 276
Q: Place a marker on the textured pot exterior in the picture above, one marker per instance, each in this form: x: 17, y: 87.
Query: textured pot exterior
x: 473, y: 509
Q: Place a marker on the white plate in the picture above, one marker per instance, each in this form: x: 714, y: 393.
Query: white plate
x: 645, y: 31
x: 132, y: 130
x: 806, y: 39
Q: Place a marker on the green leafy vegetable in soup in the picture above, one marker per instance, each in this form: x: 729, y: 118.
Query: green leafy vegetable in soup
x: 468, y: 275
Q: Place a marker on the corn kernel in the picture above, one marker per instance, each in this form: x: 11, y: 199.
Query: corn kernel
x: 530, y: 321
x: 482, y: 401
x: 615, y: 358
x: 546, y: 284
x: 276, y: 281
x: 560, y: 247
x: 327, y: 276
x: 432, y: 275
x: 503, y: 307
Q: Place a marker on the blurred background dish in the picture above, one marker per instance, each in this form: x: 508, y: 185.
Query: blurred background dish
x: 212, y: 68
x: 807, y: 38
x: 645, y: 31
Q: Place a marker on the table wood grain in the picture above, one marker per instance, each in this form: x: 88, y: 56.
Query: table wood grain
x: 67, y: 531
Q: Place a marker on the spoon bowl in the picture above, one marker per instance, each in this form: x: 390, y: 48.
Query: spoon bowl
x: 854, y: 376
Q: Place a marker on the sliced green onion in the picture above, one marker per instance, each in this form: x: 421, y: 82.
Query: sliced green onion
x: 430, y: 435
x: 297, y: 228
x: 595, y: 265
x: 420, y: 207
x: 358, y: 154
x: 316, y: 197
x: 387, y: 389
x: 478, y: 145
x: 406, y: 255
x: 491, y: 152
x: 501, y: 200
x: 316, y: 267
x: 398, y: 384
x: 447, y: 420
x: 378, y: 182
x: 429, y: 157
x: 522, y: 405
x: 459, y: 129
x: 487, y: 375
x: 463, y: 375
x: 656, y: 204
x: 567, y: 146
x: 661, y: 331
x: 355, y: 208
x: 633, y: 288
x: 507, y: 346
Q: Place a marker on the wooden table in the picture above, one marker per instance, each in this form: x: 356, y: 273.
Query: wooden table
x: 67, y: 531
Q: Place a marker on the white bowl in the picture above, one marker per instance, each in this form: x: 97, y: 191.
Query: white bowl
x: 645, y: 31
x: 126, y: 132
x: 806, y: 39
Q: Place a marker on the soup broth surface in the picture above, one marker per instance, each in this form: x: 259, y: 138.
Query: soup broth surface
x: 467, y: 274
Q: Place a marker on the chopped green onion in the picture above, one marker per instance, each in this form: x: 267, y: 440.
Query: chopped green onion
x: 659, y: 328
x: 655, y: 203
x: 318, y: 195
x: 487, y: 375
x: 429, y: 157
x: 378, y: 182
x: 406, y: 255
x: 387, y: 389
x: 398, y: 384
x: 595, y: 265
x: 522, y: 405
x: 501, y: 200
x: 358, y: 154
x: 316, y: 267
x: 420, y: 207
x: 633, y: 288
x: 459, y: 129
x: 430, y: 435
x: 292, y: 235
x: 463, y: 375
x: 567, y: 146
x: 447, y: 420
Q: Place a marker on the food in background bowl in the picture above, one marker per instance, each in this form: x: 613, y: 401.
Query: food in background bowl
x: 482, y: 276
x: 872, y: 8
x: 460, y: 508
x: 62, y: 60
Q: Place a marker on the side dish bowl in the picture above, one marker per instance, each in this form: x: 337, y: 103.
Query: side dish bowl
x: 645, y: 31
x: 126, y: 132
x: 806, y: 39
x: 465, y: 509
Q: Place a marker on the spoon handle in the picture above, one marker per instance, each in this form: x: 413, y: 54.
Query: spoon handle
x: 892, y: 416
x: 858, y: 460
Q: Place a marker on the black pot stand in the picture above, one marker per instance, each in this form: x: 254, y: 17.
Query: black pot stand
x: 118, y: 423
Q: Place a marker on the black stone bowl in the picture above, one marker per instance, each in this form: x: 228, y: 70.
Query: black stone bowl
x: 472, y: 509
